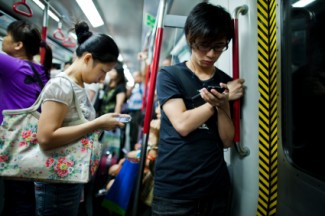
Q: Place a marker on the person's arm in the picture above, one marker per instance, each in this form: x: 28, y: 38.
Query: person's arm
x: 185, y: 121
x: 129, y: 92
x: 120, y: 98
x: 236, y: 89
x: 220, y: 102
x: 51, y: 134
x: 9, y: 63
x: 225, y: 126
x: 169, y: 95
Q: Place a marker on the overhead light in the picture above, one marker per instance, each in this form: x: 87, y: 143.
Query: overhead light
x: 89, y: 9
x: 51, y: 14
x: 302, y: 3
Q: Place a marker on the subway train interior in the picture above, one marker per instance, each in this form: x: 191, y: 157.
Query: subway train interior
x: 277, y: 161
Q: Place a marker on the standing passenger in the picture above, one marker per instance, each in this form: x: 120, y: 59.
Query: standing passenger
x: 96, y: 55
x: 114, y: 91
x: 134, y: 107
x: 113, y: 100
x: 19, y: 88
x: 191, y: 176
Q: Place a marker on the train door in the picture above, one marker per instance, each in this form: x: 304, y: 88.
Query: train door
x: 301, y: 186
x: 281, y: 52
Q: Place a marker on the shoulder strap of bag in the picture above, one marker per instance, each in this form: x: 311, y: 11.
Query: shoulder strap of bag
x: 37, y: 76
x: 76, y: 102
x: 38, y: 103
x: 30, y: 109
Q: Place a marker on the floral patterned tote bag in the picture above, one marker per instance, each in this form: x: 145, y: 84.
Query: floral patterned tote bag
x: 22, y: 158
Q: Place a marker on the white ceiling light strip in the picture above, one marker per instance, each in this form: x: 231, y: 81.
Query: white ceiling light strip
x: 89, y: 9
x: 51, y: 14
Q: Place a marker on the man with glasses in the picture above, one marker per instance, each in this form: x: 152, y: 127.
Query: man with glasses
x: 191, y: 176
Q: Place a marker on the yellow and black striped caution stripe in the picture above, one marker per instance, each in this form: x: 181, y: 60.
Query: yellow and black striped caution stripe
x: 268, y: 124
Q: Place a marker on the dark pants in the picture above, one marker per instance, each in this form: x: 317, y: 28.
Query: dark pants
x: 135, y: 124
x: 57, y: 199
x: 210, y: 206
x: 19, y: 199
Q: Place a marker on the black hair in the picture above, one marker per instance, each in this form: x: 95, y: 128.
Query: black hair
x: 31, y: 38
x: 121, y: 79
x: 102, y: 47
x: 209, y: 22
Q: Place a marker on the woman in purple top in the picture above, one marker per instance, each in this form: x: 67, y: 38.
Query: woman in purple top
x: 19, y: 88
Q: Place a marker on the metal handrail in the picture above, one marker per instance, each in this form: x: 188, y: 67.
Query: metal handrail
x: 44, y: 30
x: 242, y: 150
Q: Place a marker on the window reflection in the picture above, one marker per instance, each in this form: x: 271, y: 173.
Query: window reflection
x: 305, y: 88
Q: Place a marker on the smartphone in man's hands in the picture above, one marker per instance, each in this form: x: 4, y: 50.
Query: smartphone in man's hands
x: 218, y: 88
x: 209, y: 88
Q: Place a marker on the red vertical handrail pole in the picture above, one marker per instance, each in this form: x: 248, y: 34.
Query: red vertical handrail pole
x: 145, y: 93
x: 152, y: 81
x: 235, y: 65
x: 44, y: 31
x: 151, y: 93
x: 243, y: 151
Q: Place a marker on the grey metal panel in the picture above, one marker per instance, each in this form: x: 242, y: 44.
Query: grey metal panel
x: 175, y: 21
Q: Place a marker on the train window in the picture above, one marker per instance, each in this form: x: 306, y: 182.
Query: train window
x: 176, y: 47
x: 303, y: 87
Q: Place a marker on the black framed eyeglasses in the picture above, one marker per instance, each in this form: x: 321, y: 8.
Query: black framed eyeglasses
x: 217, y: 47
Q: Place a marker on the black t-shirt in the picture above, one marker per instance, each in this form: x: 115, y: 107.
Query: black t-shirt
x: 193, y: 166
x: 108, y: 103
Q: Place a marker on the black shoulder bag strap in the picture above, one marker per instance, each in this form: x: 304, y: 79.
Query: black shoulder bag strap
x: 36, y: 75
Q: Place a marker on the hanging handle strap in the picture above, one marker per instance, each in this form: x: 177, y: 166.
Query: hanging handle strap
x: 58, y: 34
x: 24, y: 4
x: 69, y: 42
